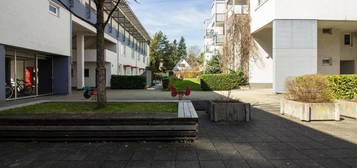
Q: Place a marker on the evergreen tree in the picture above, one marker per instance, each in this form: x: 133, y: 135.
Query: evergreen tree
x: 213, y: 66
x: 155, y: 52
x: 182, y: 49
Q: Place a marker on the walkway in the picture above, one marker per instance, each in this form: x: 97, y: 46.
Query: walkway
x: 270, y: 140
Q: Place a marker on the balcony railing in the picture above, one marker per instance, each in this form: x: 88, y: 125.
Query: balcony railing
x: 219, y: 17
x: 220, y: 38
x: 237, y: 10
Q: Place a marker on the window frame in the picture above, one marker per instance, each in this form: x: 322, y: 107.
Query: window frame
x: 55, y: 6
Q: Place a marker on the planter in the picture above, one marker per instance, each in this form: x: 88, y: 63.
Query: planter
x: 348, y: 108
x: 310, y: 111
x: 223, y: 111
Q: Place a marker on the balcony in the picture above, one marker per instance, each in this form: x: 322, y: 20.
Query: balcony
x: 219, y: 39
x: 90, y: 55
x: 237, y: 10
x: 218, y: 19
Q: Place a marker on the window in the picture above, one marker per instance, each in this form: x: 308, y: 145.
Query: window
x: 53, y: 9
x: 348, y: 39
x: 261, y: 2
x: 86, y: 73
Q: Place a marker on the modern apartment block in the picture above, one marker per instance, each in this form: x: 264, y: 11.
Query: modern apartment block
x: 214, y: 29
x: 306, y: 36
x: 44, y: 49
x: 217, y: 26
x: 297, y: 37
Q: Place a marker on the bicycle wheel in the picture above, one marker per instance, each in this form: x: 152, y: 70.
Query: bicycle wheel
x: 9, y: 92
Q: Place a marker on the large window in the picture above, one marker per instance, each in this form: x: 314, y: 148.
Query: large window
x: 27, y: 74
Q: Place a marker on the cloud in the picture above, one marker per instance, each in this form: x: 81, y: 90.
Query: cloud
x: 175, y: 18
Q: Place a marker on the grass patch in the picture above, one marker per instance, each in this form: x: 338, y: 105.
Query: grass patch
x: 193, y: 83
x: 85, y: 108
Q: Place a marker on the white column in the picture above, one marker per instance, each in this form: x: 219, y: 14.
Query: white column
x: 80, y: 61
x: 294, y: 50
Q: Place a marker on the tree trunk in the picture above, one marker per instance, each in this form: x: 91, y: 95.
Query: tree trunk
x: 100, y: 70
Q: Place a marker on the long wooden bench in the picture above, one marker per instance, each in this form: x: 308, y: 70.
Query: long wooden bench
x: 102, y: 127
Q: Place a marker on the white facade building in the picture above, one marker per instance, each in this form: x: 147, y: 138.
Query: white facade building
x: 45, y: 49
x: 214, y: 29
x: 306, y: 37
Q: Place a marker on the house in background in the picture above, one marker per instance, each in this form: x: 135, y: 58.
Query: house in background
x: 306, y: 37
x: 44, y: 49
x: 182, y: 65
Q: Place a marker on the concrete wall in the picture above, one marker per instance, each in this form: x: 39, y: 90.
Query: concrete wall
x: 294, y: 50
x: 28, y: 24
x: 316, y: 9
x: 2, y: 73
x: 261, y: 64
x: 301, y: 9
x: 262, y: 14
x: 332, y: 46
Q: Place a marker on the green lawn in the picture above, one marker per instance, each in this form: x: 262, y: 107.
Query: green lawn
x: 78, y: 108
x: 193, y: 83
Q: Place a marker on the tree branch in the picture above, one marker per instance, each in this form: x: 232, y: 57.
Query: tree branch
x: 111, y: 12
x: 73, y: 13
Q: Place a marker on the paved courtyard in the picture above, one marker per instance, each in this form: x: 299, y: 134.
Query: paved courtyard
x: 270, y: 140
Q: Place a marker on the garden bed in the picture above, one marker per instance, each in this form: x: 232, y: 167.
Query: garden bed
x: 120, y: 120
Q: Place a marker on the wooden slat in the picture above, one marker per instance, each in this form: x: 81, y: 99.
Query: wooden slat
x: 193, y: 111
x: 181, y: 110
x: 187, y: 112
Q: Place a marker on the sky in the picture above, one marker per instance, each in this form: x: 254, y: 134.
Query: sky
x: 175, y: 18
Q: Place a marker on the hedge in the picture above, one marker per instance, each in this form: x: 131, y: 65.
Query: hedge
x: 188, y: 74
x: 221, y: 81
x: 127, y: 82
x: 343, y: 86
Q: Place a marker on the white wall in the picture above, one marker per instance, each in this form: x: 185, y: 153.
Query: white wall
x: 262, y: 15
x: 261, y: 66
x: 294, y: 50
x: 332, y: 46
x: 329, y: 46
x: 28, y: 24
x: 301, y: 9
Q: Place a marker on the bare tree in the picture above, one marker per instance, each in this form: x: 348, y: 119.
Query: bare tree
x: 100, y: 27
x: 239, y: 46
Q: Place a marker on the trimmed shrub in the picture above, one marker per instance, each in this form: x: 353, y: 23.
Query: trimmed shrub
x: 343, y: 86
x: 309, y: 88
x: 188, y: 74
x: 221, y: 81
x: 127, y: 82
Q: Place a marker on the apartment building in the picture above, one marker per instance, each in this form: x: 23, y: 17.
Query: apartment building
x: 306, y: 37
x: 45, y: 49
x: 216, y: 35
x: 214, y: 29
x: 298, y: 37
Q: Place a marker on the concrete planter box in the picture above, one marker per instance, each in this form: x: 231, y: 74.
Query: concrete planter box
x: 310, y: 111
x: 347, y: 108
x: 222, y: 111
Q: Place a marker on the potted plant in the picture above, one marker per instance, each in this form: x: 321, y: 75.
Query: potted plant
x: 309, y: 98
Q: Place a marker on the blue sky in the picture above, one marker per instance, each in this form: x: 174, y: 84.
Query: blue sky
x: 175, y: 18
